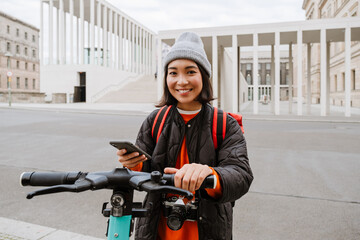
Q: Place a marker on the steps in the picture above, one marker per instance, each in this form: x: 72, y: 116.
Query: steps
x: 143, y: 90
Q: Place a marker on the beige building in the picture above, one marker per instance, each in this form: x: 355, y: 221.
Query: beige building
x: 19, y: 54
x: 322, y: 9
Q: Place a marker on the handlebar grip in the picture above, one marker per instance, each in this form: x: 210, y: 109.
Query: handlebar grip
x: 48, y: 178
x: 209, y: 181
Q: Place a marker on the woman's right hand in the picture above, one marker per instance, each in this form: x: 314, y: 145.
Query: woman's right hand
x: 130, y: 160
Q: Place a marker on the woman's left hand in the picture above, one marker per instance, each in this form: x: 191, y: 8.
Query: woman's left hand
x: 190, y: 176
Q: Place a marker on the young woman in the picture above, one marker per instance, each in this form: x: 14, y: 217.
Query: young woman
x: 185, y: 148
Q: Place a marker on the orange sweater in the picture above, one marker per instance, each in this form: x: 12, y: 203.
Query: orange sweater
x: 190, y: 228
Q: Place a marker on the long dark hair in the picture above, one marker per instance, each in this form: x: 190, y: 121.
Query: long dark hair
x: 205, y: 96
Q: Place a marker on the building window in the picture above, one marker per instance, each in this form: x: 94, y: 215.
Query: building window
x: 248, y: 66
x: 26, y: 83
x: 26, y: 66
x: 17, y: 82
x: 343, y: 81
x: 34, y: 67
x: 259, y: 66
x: 17, y: 64
x: 248, y: 79
x: 353, y: 80
x: 17, y: 32
x: 335, y: 83
x: 34, y: 83
x: 26, y: 37
x: 34, y: 53
x: 8, y: 29
x: 8, y: 62
x: 25, y: 51
x: 268, y: 79
x: 8, y: 46
x: 33, y: 38
x: 17, y: 49
x: 268, y: 66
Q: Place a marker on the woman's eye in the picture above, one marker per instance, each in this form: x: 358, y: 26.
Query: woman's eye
x: 191, y: 72
x: 172, y: 73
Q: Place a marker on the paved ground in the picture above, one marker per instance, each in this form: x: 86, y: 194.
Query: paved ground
x: 306, y: 172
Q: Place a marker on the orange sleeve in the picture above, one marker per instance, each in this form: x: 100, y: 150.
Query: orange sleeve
x: 137, y: 168
x: 217, y: 191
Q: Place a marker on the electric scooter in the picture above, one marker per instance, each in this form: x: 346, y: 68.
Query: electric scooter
x: 122, y: 181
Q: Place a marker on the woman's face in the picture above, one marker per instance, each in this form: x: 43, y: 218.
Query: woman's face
x: 184, y: 81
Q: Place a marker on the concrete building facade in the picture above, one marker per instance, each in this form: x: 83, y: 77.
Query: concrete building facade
x: 19, y: 54
x: 325, y: 9
x: 90, y: 48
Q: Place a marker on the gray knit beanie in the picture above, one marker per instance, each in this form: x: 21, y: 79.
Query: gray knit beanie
x: 189, y: 46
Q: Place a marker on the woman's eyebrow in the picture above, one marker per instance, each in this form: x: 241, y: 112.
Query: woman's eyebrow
x: 191, y: 67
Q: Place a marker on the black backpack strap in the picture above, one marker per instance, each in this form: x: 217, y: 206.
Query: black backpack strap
x: 219, y: 127
x: 159, y: 121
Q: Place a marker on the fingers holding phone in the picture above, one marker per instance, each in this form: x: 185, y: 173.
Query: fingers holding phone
x: 130, y: 160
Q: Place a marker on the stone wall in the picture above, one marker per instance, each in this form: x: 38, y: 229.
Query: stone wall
x: 22, y: 97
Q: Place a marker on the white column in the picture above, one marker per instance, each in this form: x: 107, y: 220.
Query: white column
x: 291, y: 70
x: 121, y: 51
x: 308, y: 94
x: 77, y: 40
x: 160, y: 81
x: 98, y: 23
x: 144, y: 52
x: 215, y: 69
x: 140, y: 50
x: 148, y: 53
x: 61, y: 32
x: 323, y: 71
x: 255, y: 73
x: 116, y: 43
x: 41, y: 45
x: 235, y: 101
x: 81, y: 32
x: 71, y: 30
x: 272, y: 90
x: 129, y: 47
x: 299, y: 72
x: 92, y: 32
x: 137, y: 49
x: 133, y: 48
x: 57, y: 36
x: 51, y: 33
x: 125, y: 47
x: 110, y: 38
x: 105, y: 37
x: 153, y: 57
x: 327, y: 78
x: 277, y: 73
x: 347, y: 71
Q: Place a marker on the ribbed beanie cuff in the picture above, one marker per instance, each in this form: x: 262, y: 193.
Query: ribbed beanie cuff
x: 189, y: 46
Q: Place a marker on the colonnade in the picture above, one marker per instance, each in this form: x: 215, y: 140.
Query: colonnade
x: 94, y: 32
x: 299, y: 36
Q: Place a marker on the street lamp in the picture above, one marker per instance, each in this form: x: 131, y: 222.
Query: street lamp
x: 9, y: 74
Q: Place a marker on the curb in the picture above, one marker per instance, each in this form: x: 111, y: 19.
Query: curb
x: 17, y: 230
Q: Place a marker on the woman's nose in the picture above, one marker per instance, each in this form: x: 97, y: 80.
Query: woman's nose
x: 182, y: 80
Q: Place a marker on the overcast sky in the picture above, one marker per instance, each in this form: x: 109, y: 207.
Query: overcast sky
x: 177, y: 14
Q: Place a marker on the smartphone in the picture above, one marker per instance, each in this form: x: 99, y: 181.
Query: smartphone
x: 130, y: 148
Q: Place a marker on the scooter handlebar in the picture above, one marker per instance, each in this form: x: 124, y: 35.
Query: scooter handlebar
x: 48, y: 178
